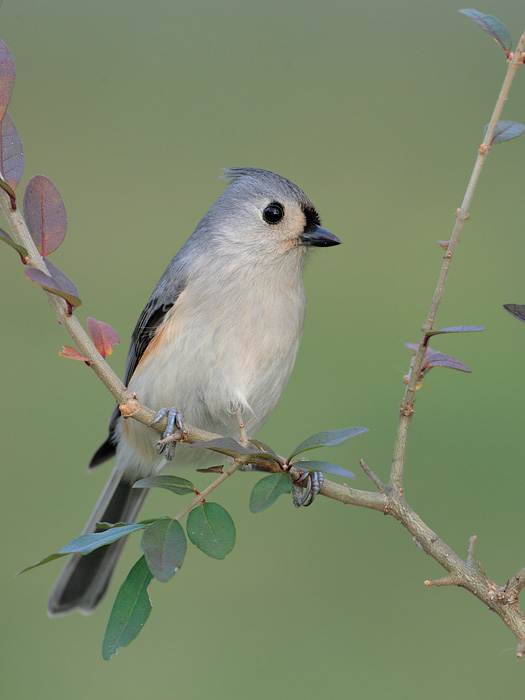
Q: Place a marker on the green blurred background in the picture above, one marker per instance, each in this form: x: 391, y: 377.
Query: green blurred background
x: 376, y: 110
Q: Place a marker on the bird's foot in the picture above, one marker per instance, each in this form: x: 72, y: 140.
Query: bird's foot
x: 303, y: 494
x: 175, y: 421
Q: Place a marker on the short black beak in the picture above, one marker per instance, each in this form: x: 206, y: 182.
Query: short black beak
x: 319, y: 237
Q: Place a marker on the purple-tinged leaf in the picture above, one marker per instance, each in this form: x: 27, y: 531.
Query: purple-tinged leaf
x: 103, y: 336
x: 267, y: 491
x: 66, y: 284
x: 19, y: 249
x: 60, y: 285
x: 444, y: 244
x: 7, y: 77
x: 164, y: 546
x: 439, y: 359
x: 327, y: 438
x: 176, y: 484
x: 267, y: 450
x: 45, y: 214
x: 308, y: 465
x: 505, y: 131
x: 228, y: 443
x: 11, y: 152
x: 211, y: 529
x: 494, y: 28
x: 130, y: 611
x: 517, y: 310
x: 456, y: 329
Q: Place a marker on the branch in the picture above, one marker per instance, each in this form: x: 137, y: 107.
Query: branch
x: 407, y: 405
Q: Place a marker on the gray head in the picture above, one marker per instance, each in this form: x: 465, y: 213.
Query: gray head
x: 263, y: 211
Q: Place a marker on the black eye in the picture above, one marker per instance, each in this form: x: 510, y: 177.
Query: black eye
x: 273, y: 213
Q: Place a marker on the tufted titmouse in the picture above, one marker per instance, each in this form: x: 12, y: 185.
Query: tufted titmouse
x: 217, y: 338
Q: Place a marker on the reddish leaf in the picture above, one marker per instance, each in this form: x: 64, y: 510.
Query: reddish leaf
x: 103, y: 336
x: 11, y: 156
x: 444, y: 244
x: 56, y: 283
x: 19, y: 249
x: 7, y: 77
x: 72, y: 354
x: 211, y: 470
x: 45, y: 214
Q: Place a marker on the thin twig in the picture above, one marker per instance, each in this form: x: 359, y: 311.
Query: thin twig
x: 407, y: 405
x: 201, y: 497
x: 370, y: 474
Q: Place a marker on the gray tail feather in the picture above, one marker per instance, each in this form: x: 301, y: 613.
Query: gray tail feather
x: 85, y: 578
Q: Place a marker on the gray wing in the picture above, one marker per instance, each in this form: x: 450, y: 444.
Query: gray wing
x: 163, y: 298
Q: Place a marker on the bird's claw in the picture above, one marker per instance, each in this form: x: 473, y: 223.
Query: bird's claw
x: 175, y: 421
x: 313, y: 484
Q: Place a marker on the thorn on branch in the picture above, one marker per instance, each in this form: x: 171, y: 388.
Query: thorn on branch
x: 370, y: 474
x: 470, y: 552
x: 514, y: 586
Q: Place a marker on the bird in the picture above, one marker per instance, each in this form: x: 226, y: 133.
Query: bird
x: 216, y: 342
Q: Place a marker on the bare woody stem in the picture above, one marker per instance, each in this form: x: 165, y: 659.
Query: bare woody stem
x: 407, y: 405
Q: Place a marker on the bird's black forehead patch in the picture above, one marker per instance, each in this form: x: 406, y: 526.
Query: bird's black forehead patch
x: 311, y: 216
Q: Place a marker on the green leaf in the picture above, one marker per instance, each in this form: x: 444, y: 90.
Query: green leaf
x: 51, y: 557
x: 505, y: 131
x: 456, y: 329
x: 19, y: 249
x: 87, y: 543
x: 211, y: 529
x: 308, y: 465
x: 328, y: 438
x: 84, y: 544
x: 492, y: 26
x: 130, y: 611
x: 172, y: 483
x: 267, y: 491
x: 517, y: 310
x: 164, y: 546
x: 109, y: 526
